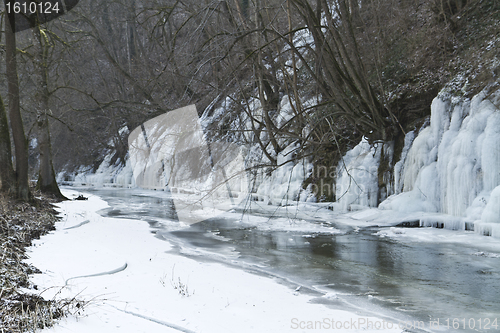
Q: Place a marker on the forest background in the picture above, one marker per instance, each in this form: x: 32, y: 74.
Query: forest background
x: 349, y: 69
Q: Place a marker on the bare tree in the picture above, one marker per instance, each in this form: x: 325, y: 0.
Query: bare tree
x: 46, y: 176
x: 16, y: 121
x: 7, y: 181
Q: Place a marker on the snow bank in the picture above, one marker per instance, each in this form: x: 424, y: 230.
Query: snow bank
x: 133, y: 283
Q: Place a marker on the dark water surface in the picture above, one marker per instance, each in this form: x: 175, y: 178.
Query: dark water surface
x: 356, y: 269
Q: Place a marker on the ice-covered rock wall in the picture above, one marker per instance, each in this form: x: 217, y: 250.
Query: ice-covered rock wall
x: 357, y: 177
x: 171, y: 151
x: 452, y: 166
x: 111, y: 172
x: 285, y: 183
x: 106, y: 175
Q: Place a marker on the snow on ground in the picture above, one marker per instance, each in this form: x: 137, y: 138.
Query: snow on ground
x: 133, y: 284
x: 444, y: 236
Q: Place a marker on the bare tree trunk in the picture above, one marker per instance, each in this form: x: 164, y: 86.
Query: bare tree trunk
x: 6, y: 170
x: 16, y: 121
x: 46, y: 175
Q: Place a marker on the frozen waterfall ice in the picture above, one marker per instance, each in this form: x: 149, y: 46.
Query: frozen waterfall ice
x: 453, y: 165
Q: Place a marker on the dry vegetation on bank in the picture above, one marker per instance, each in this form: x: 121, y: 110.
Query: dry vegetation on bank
x: 22, y: 309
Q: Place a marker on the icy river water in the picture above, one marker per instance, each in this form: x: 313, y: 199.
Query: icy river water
x: 354, y: 268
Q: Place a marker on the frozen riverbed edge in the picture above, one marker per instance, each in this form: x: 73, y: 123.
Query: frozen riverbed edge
x: 158, y: 291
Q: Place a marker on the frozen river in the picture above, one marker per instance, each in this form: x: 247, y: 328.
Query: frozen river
x: 356, y: 267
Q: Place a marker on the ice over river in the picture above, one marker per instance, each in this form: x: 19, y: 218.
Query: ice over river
x: 401, y: 274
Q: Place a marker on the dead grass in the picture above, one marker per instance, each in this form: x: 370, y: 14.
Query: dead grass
x: 21, y: 307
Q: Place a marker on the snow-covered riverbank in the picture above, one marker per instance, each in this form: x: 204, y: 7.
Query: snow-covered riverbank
x: 148, y: 289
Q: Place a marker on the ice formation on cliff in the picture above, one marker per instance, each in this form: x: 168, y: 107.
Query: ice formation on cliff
x: 170, y: 153
x: 453, y: 165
